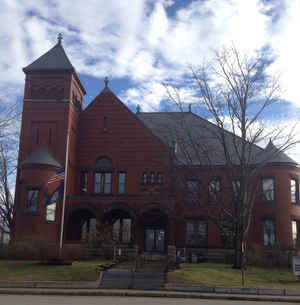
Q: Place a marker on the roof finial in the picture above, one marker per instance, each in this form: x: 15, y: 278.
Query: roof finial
x: 106, y: 80
x: 190, y: 107
x: 138, y: 108
x: 59, y: 38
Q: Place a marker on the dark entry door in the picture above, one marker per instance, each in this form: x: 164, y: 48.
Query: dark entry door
x: 154, y: 240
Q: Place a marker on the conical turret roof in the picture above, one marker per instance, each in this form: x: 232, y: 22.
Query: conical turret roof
x: 41, y: 157
x: 272, y: 154
x: 54, y: 59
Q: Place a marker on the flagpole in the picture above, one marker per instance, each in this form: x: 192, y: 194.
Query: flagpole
x: 64, y: 197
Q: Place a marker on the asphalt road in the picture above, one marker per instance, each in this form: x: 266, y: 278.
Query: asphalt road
x: 101, y: 300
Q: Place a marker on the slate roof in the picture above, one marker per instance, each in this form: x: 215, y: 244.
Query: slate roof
x: 54, y: 59
x: 197, y: 141
x: 274, y: 155
x: 41, y: 157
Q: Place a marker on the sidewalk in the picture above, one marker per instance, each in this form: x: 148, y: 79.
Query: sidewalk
x: 141, y: 293
x: 170, y: 291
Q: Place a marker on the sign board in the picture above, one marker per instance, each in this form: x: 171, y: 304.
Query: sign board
x: 296, y: 265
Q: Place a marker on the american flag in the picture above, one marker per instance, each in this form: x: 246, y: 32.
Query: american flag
x: 59, y: 176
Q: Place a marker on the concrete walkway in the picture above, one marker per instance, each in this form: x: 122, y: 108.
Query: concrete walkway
x: 149, y: 276
x: 144, y: 293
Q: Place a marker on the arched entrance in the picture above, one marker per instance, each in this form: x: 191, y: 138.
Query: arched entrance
x: 81, y: 226
x: 121, y: 219
x: 155, y: 228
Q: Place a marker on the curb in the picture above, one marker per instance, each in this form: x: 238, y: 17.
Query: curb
x: 141, y: 293
x: 233, y: 290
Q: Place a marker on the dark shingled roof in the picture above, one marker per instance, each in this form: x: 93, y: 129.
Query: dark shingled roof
x: 41, y: 156
x: 198, y: 142
x: 54, y: 59
x: 273, y: 155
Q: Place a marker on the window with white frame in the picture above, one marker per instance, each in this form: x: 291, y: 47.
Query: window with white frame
x: 193, y: 191
x: 121, y: 183
x: 196, y: 233
x: 269, y: 232
x: 268, y: 189
x: 214, y: 191
x: 102, y: 183
x: 32, y: 200
x: 294, y: 190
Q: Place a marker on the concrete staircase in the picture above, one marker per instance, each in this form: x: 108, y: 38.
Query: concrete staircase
x: 148, y: 275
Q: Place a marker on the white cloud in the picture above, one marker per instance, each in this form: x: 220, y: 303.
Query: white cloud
x: 139, y: 40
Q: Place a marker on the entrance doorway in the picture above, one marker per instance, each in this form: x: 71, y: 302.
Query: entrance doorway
x: 154, y: 240
x: 155, y: 230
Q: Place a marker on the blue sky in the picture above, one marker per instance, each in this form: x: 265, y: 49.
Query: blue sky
x: 139, y: 44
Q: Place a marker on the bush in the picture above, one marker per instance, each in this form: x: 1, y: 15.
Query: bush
x: 258, y: 255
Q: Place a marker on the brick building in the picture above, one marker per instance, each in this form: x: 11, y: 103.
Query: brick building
x: 121, y: 170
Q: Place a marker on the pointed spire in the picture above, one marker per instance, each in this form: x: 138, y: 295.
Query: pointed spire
x: 273, y: 154
x: 59, y: 38
x: 54, y: 59
x: 106, y: 81
x: 138, y: 108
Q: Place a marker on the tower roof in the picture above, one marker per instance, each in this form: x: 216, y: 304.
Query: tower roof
x: 54, y: 59
x: 274, y: 155
x: 41, y: 157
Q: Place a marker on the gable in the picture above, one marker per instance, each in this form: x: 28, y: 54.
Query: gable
x: 108, y: 128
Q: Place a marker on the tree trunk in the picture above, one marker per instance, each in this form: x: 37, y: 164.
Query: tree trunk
x: 238, y: 253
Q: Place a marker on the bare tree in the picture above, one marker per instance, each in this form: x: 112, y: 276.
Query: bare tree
x: 235, y: 91
x: 9, y: 131
x: 6, y: 198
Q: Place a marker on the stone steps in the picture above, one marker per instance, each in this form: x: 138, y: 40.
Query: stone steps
x: 132, y: 280
x: 148, y: 276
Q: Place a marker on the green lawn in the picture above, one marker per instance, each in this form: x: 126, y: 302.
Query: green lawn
x: 223, y: 275
x: 19, y: 270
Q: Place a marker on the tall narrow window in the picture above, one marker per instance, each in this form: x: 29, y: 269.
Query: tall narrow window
x: 214, y: 191
x: 236, y: 189
x: 32, y: 200
x: 144, y: 178
x: 295, y: 236
x: 159, y: 178
x: 196, y: 233
x: 83, y: 182
x: 269, y: 232
x: 122, y: 230
x: 152, y: 178
x: 192, y: 188
x: 105, y: 124
x: 121, y: 183
x: 102, y: 183
x: 107, y: 183
x: 37, y: 136
x: 50, y: 135
x: 268, y: 190
x: 294, y: 190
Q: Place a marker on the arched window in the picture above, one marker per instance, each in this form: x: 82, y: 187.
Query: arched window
x: 104, y: 163
x: 103, y: 176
